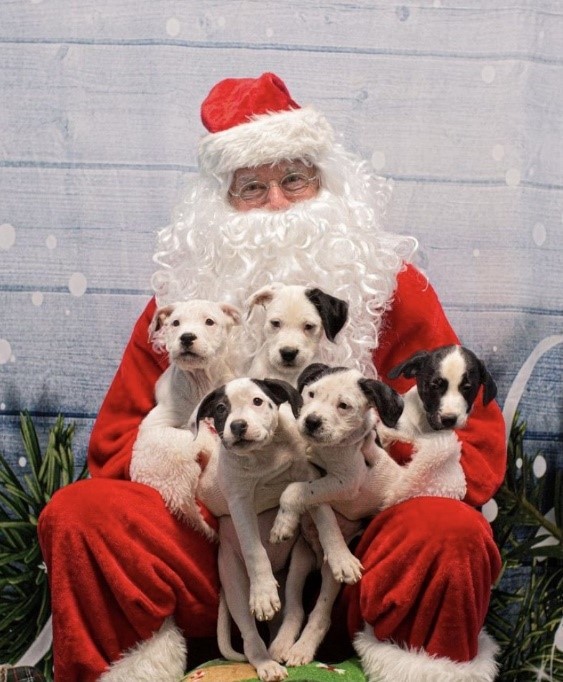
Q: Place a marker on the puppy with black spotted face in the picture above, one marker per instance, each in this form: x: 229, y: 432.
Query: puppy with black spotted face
x: 336, y: 417
x: 297, y: 318
x: 261, y: 452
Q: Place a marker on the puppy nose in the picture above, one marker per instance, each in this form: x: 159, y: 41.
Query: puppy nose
x: 187, y: 339
x: 288, y: 354
x: 448, y: 420
x: 238, y: 427
x: 312, y: 423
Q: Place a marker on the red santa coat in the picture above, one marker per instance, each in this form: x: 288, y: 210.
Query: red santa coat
x: 429, y: 563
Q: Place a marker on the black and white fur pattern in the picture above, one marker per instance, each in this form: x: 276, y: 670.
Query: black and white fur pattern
x: 297, y: 318
x: 448, y: 380
x: 261, y: 453
x: 165, y: 455
x: 335, y: 420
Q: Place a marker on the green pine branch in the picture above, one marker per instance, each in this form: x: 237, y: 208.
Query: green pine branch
x: 24, y: 590
x: 527, y: 602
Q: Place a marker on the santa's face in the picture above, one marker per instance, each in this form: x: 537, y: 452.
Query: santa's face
x: 273, y: 187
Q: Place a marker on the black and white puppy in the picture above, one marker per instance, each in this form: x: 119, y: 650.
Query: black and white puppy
x: 448, y: 380
x: 261, y: 453
x: 336, y: 417
x: 296, y: 320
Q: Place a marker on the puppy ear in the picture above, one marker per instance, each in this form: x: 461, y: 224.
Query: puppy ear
x: 388, y: 402
x: 207, y: 405
x: 490, y: 387
x: 309, y: 374
x: 263, y: 296
x: 281, y: 392
x: 410, y: 367
x: 333, y: 311
x: 156, y: 336
x: 231, y: 311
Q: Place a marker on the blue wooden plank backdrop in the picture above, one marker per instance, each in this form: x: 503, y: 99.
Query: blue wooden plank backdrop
x: 461, y: 103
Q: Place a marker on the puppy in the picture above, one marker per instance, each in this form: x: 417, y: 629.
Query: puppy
x: 448, y: 380
x: 336, y: 417
x: 297, y: 318
x: 261, y: 452
x: 165, y: 455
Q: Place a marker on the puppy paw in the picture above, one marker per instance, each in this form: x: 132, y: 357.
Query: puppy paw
x: 284, y: 527
x: 264, y: 601
x: 345, y: 567
x: 301, y: 653
x: 281, y: 646
x: 271, y: 671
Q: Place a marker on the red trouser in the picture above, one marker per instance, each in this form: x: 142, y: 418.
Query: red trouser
x: 119, y: 563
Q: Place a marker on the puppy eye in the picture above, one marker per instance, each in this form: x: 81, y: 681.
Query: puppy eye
x: 309, y: 327
x: 258, y: 401
x: 276, y: 324
x: 311, y: 394
x: 209, y: 322
x: 438, y: 384
x: 220, y: 408
x: 176, y: 323
x: 343, y: 406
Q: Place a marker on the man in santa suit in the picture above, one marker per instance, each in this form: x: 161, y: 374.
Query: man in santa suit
x: 277, y: 198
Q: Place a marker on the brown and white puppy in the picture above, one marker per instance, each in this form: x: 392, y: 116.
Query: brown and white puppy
x: 261, y: 452
x: 297, y: 318
x: 165, y: 455
x: 336, y: 417
x: 448, y: 380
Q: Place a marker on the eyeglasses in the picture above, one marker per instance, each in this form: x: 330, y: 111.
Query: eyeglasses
x: 292, y: 184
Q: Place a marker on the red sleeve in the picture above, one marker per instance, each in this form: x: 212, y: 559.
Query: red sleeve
x: 417, y: 321
x: 129, y: 399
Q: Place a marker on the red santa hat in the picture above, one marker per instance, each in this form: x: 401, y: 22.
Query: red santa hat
x: 252, y: 121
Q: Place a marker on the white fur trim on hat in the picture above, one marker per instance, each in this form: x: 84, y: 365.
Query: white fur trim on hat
x: 267, y: 138
x: 388, y: 662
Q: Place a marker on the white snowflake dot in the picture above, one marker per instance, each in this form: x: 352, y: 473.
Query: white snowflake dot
x: 221, y: 21
x: 476, y: 253
x: 519, y: 463
x: 512, y: 177
x: 5, y: 351
x: 498, y: 152
x: 2, y: 406
x: 378, y: 160
x: 7, y: 236
x: 495, y: 349
x: 77, y: 284
x: 51, y: 242
x: 539, y: 466
x: 173, y: 27
x: 539, y: 234
x: 488, y: 74
x: 67, y: 312
x: 37, y: 298
x: 22, y: 461
x: 490, y: 510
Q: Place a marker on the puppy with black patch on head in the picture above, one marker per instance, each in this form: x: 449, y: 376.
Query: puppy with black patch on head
x: 336, y: 417
x: 165, y: 454
x: 448, y: 380
x: 261, y: 451
x: 297, y: 318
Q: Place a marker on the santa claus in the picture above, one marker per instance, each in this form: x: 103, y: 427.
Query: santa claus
x: 277, y: 198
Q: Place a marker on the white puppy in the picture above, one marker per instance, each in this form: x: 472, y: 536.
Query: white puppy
x: 261, y: 452
x: 336, y: 418
x: 448, y: 380
x: 297, y: 318
x: 165, y: 454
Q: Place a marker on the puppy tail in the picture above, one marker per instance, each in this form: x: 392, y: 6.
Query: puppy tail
x: 224, y: 632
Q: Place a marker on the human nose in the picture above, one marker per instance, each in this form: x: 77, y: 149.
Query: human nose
x: 276, y: 199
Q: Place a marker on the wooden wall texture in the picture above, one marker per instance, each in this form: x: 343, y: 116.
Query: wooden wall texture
x: 460, y: 102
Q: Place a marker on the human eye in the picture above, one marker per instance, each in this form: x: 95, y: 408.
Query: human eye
x: 252, y: 189
x: 294, y: 182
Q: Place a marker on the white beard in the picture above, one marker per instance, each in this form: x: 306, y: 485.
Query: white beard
x: 334, y: 242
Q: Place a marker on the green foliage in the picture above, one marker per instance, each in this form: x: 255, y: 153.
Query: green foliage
x: 527, y: 602
x: 24, y: 591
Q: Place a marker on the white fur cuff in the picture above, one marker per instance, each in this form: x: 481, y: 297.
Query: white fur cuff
x: 387, y: 662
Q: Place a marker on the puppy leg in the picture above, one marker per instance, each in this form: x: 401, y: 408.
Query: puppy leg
x: 345, y: 567
x: 303, y: 561
x: 304, y: 650
x: 235, y: 583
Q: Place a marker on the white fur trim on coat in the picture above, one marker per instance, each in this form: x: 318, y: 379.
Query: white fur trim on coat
x: 295, y: 134
x: 162, y: 658
x: 387, y: 662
